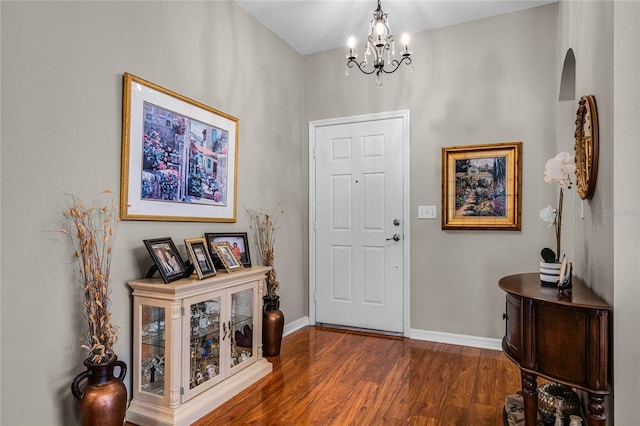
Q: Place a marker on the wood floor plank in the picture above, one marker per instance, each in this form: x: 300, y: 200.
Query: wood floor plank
x: 480, y: 415
x: 460, y: 388
x: 336, y: 377
x: 485, y: 386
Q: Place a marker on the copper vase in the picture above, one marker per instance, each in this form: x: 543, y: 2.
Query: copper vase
x: 103, y: 397
x: 272, y: 326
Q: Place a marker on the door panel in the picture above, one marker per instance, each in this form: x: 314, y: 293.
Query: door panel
x: 359, y: 194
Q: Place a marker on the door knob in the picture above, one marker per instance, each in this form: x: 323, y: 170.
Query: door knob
x: 395, y: 237
x: 396, y: 222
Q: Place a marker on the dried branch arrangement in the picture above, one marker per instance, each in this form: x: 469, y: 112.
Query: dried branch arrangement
x: 264, y: 226
x: 92, y: 229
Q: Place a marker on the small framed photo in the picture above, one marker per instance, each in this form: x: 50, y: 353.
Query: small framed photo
x: 225, y: 253
x: 166, y: 257
x: 199, y: 256
x: 238, y: 242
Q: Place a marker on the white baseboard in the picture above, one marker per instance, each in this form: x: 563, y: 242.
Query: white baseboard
x: 295, y: 325
x: 431, y: 336
x: 456, y: 339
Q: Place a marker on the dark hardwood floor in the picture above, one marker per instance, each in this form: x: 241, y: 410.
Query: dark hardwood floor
x: 335, y: 377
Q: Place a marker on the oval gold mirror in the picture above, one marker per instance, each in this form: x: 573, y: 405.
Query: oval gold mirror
x: 586, y: 146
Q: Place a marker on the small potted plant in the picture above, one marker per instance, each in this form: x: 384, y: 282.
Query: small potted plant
x: 559, y: 171
x: 92, y: 229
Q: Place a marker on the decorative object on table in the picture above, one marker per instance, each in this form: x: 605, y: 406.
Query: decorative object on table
x: 575, y: 420
x: 379, y: 42
x: 179, y: 157
x: 560, y: 171
x: 166, y: 260
x: 586, y: 146
x: 264, y: 226
x: 91, y: 227
x: 549, y: 268
x: 548, y: 395
x: 199, y: 256
x: 559, y: 404
x: 244, y: 338
x: 565, y: 281
x: 514, y: 409
x: 238, y: 242
x: 225, y: 252
x: 481, y: 187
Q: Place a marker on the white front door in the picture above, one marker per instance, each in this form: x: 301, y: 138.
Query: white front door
x: 359, y: 224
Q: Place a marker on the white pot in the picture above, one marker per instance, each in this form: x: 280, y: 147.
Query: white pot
x: 550, y: 272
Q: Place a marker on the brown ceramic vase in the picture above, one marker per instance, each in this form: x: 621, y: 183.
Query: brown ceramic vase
x: 103, y: 397
x: 272, y: 326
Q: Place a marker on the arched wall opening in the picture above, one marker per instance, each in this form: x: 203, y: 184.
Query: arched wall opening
x: 565, y: 142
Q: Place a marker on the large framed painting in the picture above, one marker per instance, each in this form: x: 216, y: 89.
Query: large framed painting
x: 481, y: 186
x: 179, y: 157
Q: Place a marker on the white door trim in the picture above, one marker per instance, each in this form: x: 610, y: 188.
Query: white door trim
x: 404, y: 114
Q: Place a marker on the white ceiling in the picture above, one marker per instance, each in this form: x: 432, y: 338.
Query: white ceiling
x: 311, y: 26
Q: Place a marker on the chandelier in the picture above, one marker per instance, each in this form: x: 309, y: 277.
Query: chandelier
x: 379, y: 42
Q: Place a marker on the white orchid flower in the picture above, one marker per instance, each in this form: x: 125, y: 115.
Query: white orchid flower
x: 548, y: 214
x: 560, y: 170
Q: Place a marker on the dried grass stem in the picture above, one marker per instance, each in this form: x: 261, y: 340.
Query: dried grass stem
x: 264, y: 226
x: 92, y: 230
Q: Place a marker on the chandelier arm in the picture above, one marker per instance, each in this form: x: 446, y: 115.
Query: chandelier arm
x: 351, y: 62
x: 396, y: 64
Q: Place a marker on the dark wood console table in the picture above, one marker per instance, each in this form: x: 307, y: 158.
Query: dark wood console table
x: 563, y: 338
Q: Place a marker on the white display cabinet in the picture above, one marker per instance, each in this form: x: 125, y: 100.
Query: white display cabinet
x: 196, y: 343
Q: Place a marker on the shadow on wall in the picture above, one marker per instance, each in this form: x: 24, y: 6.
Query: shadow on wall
x: 568, y: 78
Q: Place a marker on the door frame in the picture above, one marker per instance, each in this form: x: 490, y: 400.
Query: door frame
x: 313, y: 125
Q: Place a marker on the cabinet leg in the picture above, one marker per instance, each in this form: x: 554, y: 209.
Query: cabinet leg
x: 596, y: 416
x: 530, y: 397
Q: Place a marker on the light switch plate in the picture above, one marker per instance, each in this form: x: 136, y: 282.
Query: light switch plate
x: 426, y: 212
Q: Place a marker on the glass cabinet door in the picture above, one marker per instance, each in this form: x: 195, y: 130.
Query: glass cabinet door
x: 153, y: 349
x: 152, y: 336
x: 242, y: 326
x: 201, y: 338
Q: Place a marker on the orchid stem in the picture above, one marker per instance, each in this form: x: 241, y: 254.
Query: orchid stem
x: 559, y: 225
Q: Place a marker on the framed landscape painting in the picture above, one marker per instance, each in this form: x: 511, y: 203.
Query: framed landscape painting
x: 481, y: 186
x: 179, y: 157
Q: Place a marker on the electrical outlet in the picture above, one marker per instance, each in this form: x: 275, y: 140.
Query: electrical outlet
x: 426, y: 212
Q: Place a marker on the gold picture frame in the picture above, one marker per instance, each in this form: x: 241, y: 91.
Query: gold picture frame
x: 199, y: 256
x: 481, y: 187
x: 225, y: 253
x: 179, y: 157
x: 586, y: 146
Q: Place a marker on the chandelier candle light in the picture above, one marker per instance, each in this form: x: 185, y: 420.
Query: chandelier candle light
x: 379, y: 41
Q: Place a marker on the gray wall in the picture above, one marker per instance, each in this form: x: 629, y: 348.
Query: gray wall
x: 626, y: 212
x: 587, y: 28
x: 487, y: 81
x: 62, y: 65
